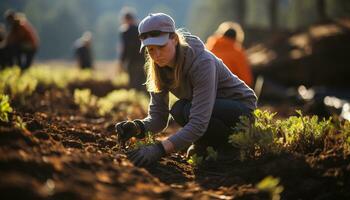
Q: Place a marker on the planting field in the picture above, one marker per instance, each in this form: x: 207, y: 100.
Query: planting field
x: 57, y: 141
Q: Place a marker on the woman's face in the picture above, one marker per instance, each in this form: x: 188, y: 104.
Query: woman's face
x: 164, y: 55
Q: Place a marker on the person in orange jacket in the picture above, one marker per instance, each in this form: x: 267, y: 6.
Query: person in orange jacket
x: 22, y: 39
x: 226, y: 44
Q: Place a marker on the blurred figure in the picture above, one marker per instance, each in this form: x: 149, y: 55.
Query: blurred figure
x: 22, y: 39
x: 226, y: 44
x: 5, y: 59
x: 131, y: 59
x: 83, y: 50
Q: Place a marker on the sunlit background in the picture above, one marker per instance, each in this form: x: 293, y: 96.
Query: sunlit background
x: 60, y: 23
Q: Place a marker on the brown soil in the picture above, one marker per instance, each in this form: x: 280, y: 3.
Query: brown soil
x: 66, y: 155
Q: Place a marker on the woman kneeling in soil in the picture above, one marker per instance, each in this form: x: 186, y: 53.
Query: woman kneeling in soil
x: 211, y: 98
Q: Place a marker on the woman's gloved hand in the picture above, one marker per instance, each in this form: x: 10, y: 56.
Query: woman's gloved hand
x: 128, y: 129
x: 147, y: 155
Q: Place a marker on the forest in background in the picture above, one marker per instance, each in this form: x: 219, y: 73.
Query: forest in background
x: 60, y: 23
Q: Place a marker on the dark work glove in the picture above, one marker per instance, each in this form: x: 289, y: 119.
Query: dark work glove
x: 128, y: 129
x: 146, y: 155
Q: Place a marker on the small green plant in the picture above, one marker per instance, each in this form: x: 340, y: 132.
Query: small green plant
x: 195, y: 160
x: 8, y: 77
x: 23, y: 87
x: 264, y: 135
x: 211, y: 154
x: 118, y: 97
x: 18, y: 122
x: 271, y: 185
x: 148, y: 140
x: 87, y: 102
x: 121, y: 80
x: 21, y: 125
x: 255, y: 137
x: 114, y: 101
x: 303, y: 133
x: 345, y: 131
x: 5, y: 108
x: 60, y: 76
x: 16, y: 84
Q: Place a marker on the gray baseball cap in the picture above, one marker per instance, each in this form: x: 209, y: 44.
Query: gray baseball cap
x: 155, y: 28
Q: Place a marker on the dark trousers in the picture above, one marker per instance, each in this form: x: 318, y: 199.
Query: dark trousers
x: 225, y: 115
x: 22, y: 57
x: 136, y: 75
x: 5, y: 57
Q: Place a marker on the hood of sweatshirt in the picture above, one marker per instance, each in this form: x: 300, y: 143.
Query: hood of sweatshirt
x: 223, y: 43
x: 195, y: 49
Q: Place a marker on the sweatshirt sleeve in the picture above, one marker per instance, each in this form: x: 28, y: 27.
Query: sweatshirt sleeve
x: 158, y: 112
x: 204, y: 82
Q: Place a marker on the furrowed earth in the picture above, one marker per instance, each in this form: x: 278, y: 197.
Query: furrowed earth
x: 65, y: 154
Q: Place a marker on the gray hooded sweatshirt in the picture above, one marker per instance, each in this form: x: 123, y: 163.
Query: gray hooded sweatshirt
x: 205, y: 78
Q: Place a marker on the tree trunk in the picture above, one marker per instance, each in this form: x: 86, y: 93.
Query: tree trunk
x: 273, y: 7
x: 241, y: 12
x: 321, y: 10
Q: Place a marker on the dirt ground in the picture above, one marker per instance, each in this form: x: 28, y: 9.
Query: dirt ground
x: 66, y: 155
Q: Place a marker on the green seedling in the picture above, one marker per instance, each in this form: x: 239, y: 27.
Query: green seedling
x: 18, y: 85
x: 264, y: 135
x: 61, y: 76
x: 117, y: 98
x: 19, y: 123
x: 87, y: 102
x: 212, y: 154
x: 148, y: 140
x: 271, y: 185
x: 121, y: 80
x: 345, y: 131
x: 5, y: 108
x: 254, y: 137
x: 195, y: 160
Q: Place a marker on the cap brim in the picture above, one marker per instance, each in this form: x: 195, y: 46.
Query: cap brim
x: 159, y: 41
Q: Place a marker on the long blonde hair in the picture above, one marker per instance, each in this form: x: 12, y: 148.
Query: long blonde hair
x: 154, y: 82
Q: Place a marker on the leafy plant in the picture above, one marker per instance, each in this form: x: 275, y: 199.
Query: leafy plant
x: 23, y: 87
x: 87, y: 102
x: 16, y: 84
x: 61, y: 76
x: 114, y: 101
x: 117, y: 98
x: 262, y: 134
x: 20, y: 124
x: 211, y: 154
x: 345, y: 131
x: 148, y: 140
x: 195, y: 160
x: 8, y: 77
x: 255, y: 137
x: 271, y: 185
x: 303, y: 133
x: 121, y: 80
x: 5, y: 108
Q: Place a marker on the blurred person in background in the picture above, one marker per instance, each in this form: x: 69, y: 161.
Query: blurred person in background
x: 22, y: 39
x: 131, y: 59
x: 83, y: 51
x: 226, y: 44
x: 211, y: 98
